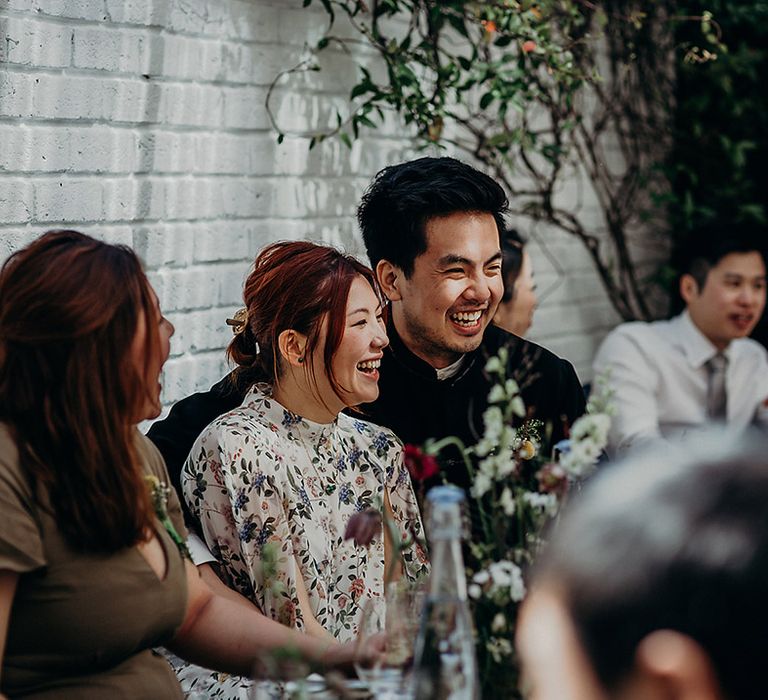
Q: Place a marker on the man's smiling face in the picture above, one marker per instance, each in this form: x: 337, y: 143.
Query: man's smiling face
x: 441, y: 310
x: 732, y: 300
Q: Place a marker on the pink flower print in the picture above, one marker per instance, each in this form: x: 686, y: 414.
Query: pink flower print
x: 357, y: 588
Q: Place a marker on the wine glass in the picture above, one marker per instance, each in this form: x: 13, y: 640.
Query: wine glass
x: 386, y: 674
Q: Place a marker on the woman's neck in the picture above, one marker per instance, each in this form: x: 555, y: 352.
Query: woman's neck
x: 298, y: 397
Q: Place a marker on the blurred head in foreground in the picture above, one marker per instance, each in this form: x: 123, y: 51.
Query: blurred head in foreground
x: 654, y: 583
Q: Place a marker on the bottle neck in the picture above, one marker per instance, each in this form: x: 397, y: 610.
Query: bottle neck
x: 448, y: 579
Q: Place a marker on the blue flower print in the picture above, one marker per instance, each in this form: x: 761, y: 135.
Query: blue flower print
x: 380, y: 442
x: 240, y: 500
x: 344, y: 493
x: 290, y: 419
x: 246, y: 532
x: 263, y: 536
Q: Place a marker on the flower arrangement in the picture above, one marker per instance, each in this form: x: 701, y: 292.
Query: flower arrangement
x: 515, y: 490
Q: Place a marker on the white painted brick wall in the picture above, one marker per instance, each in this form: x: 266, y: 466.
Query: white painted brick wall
x: 144, y: 123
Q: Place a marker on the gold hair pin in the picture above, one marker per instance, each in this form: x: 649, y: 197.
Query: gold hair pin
x: 238, y: 321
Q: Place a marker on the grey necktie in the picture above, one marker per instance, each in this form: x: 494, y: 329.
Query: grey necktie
x: 717, y: 399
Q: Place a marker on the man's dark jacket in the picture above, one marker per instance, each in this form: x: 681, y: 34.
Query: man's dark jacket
x: 412, y: 401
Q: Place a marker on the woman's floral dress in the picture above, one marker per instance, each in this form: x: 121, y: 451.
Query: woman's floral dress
x: 274, y: 492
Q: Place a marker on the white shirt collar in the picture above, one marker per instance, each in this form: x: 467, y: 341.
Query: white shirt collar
x: 697, y: 347
x: 451, y: 370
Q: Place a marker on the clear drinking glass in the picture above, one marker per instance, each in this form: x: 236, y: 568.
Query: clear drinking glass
x: 388, y: 674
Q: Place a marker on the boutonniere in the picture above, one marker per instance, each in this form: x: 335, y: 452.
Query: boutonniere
x: 158, y: 492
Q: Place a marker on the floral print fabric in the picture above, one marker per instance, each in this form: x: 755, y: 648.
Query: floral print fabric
x: 262, y: 475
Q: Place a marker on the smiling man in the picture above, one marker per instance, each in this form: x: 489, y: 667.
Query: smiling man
x: 431, y: 229
x: 674, y: 376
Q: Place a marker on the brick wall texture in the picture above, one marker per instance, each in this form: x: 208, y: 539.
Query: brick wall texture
x: 144, y: 123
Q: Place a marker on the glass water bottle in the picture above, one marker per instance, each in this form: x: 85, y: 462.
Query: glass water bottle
x: 445, y: 665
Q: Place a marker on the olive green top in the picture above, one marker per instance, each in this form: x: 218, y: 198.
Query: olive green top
x: 83, y: 625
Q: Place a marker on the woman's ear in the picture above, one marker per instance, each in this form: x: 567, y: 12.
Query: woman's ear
x: 389, y: 276
x: 677, y: 665
x: 292, y: 346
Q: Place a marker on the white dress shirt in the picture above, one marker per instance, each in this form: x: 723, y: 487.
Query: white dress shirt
x: 199, y: 551
x: 659, y: 374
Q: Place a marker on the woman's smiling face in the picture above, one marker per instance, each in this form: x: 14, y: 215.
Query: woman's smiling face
x: 356, y: 361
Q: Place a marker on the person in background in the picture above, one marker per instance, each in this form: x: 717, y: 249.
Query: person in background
x: 518, y: 302
x: 653, y: 583
x: 670, y: 377
x: 93, y: 567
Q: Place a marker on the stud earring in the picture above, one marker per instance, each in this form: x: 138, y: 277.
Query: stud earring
x: 301, y: 359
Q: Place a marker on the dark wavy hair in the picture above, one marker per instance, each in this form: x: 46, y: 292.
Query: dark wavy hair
x: 70, y: 390
x: 402, y: 199
x: 672, y: 539
x: 294, y: 285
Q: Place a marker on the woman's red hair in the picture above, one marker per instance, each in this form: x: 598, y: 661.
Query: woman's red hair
x: 294, y: 285
x: 70, y: 390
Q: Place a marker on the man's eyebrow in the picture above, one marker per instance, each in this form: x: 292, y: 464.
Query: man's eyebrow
x: 453, y: 259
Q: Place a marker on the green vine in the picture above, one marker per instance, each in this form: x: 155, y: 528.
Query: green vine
x: 542, y: 94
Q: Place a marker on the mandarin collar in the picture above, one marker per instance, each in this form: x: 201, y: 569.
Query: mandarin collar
x: 260, y: 398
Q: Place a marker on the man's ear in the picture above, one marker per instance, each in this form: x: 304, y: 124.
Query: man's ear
x: 292, y: 346
x: 390, y: 278
x: 677, y: 665
x: 689, y: 288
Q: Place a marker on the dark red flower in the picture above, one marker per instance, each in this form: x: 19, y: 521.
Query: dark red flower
x: 363, y: 526
x: 420, y: 466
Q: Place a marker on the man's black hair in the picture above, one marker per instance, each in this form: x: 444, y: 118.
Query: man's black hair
x: 402, y: 198
x: 703, y: 248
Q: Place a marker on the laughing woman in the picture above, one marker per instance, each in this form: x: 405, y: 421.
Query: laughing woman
x: 287, y: 468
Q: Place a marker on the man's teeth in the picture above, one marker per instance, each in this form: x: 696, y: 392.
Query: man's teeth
x: 368, y: 365
x: 466, y: 318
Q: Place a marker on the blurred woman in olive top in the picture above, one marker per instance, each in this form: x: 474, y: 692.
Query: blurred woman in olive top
x: 93, y: 567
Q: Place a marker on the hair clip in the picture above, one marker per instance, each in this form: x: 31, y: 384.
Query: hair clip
x: 238, y: 321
